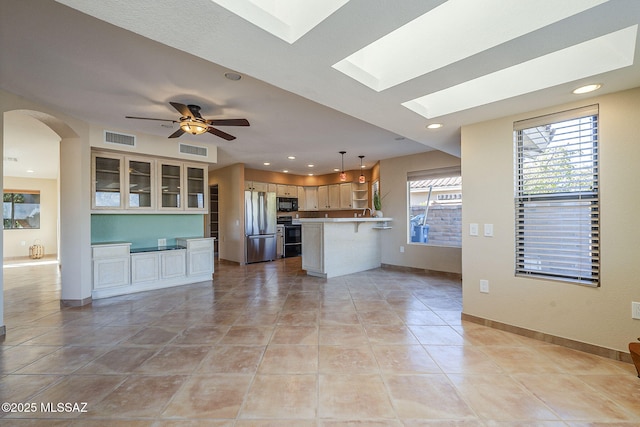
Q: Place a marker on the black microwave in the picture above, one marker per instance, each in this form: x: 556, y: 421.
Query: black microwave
x: 287, y: 204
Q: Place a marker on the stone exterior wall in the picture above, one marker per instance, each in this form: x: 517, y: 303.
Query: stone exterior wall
x: 445, y: 223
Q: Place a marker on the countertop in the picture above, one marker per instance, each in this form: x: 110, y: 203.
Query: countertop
x: 358, y: 219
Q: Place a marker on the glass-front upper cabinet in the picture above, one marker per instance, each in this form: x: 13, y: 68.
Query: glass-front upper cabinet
x: 196, y: 180
x: 140, y: 183
x: 107, y: 181
x: 170, y: 185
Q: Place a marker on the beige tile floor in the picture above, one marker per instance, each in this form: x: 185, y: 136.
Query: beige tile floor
x: 265, y: 345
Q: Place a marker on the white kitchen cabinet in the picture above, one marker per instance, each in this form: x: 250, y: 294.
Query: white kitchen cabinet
x: 110, y: 265
x: 323, y: 197
x: 329, y: 197
x: 137, y: 184
x: 173, y: 264
x: 334, y: 196
x: 302, y: 200
x: 195, y: 187
x: 199, y: 255
x: 286, y: 191
x: 140, y: 183
x: 346, y: 195
x: 107, y: 184
x: 145, y: 267
x: 256, y: 186
x: 311, y: 198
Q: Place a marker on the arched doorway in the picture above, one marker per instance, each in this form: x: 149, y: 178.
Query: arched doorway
x: 74, y: 216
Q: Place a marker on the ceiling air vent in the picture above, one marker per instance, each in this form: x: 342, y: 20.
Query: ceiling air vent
x: 119, y: 138
x: 194, y: 150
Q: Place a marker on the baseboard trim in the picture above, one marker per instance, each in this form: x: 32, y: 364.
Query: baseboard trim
x: 75, y: 302
x: 552, y: 339
x: 454, y: 276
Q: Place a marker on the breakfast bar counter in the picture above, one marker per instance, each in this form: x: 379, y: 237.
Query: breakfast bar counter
x: 337, y: 246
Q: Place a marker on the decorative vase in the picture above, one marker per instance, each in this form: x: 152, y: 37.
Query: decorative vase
x: 379, y: 214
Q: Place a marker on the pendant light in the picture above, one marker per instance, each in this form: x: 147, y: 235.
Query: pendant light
x: 361, y: 179
x: 343, y: 176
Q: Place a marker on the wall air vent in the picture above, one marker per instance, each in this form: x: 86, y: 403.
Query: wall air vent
x: 194, y: 150
x: 119, y: 138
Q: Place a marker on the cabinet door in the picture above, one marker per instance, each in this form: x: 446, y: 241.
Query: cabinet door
x: 170, y: 185
x: 110, y: 272
x: 145, y: 267
x: 196, y: 191
x: 281, y: 190
x: 346, y: 195
x: 140, y: 183
x: 173, y: 264
x: 334, y: 196
x: 302, y: 206
x: 323, y: 197
x: 107, y: 181
x: 260, y: 186
x: 311, y: 198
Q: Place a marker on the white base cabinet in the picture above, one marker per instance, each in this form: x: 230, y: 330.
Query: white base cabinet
x: 117, y: 271
x: 110, y: 265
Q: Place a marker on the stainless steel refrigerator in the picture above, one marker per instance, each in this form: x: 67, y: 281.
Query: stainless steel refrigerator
x: 260, y: 226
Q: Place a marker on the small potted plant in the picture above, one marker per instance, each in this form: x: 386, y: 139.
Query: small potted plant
x: 377, y: 205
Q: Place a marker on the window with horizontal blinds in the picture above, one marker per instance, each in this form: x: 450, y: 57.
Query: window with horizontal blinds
x: 556, y: 197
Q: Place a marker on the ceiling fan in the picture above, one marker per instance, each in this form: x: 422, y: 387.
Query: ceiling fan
x: 192, y: 122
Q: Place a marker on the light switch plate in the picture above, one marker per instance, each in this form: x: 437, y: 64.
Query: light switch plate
x: 488, y: 230
x: 484, y: 286
x: 473, y: 229
x: 635, y: 310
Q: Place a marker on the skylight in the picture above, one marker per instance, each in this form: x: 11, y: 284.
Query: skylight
x: 286, y: 19
x: 600, y: 55
x: 455, y: 30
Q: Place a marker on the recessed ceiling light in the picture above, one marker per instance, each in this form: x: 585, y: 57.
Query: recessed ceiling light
x: 310, y: 174
x: 310, y: 166
x: 285, y: 171
x: 434, y: 126
x: 266, y: 163
x: 336, y: 169
x: 587, y: 88
x: 291, y: 157
x: 233, y: 76
x: 29, y: 170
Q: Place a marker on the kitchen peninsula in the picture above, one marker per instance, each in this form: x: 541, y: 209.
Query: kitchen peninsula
x: 337, y: 246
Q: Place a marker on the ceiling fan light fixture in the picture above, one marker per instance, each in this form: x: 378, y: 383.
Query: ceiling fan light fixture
x: 193, y: 127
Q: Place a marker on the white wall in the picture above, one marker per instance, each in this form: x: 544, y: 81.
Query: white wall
x: 598, y: 316
x: 12, y: 242
x: 393, y: 190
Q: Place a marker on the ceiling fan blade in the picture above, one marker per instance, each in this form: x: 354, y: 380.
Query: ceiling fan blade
x: 176, y: 134
x: 149, y: 118
x: 221, y: 134
x: 228, y: 122
x: 182, y: 109
x: 195, y: 110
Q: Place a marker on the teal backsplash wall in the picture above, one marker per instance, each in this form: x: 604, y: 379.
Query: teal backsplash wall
x: 144, y: 230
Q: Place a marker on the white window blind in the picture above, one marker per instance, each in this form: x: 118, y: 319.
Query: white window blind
x: 556, y: 197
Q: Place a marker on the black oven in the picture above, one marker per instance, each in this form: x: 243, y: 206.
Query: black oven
x: 292, y: 237
x: 287, y: 204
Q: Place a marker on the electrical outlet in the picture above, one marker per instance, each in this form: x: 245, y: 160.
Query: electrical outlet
x: 484, y: 286
x: 635, y: 310
x: 162, y: 242
x: 401, y: 249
